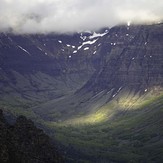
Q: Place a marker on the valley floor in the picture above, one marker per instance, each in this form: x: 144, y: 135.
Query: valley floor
x: 129, y: 128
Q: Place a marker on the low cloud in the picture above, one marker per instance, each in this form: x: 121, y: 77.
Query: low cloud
x: 44, y: 16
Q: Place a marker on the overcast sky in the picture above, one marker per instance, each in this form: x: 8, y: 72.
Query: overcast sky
x: 42, y: 16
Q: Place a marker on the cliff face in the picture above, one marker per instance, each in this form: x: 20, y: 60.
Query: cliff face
x: 135, y: 60
x: 127, y: 58
x: 83, y: 78
x: 44, y: 67
x: 24, y: 143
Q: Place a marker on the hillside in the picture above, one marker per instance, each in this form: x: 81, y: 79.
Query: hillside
x: 98, y: 94
x: 23, y: 142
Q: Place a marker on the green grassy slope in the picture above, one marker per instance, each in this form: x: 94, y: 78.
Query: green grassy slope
x: 127, y: 130
x: 30, y: 90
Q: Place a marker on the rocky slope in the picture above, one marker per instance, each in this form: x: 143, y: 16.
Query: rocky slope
x: 24, y: 143
x: 137, y: 63
x: 130, y: 60
x: 43, y: 67
x: 98, y: 94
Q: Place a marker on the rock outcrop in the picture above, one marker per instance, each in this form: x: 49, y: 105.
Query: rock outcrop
x: 24, y: 143
x: 134, y: 59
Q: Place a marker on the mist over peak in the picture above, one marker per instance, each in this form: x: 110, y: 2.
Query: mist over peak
x: 45, y: 16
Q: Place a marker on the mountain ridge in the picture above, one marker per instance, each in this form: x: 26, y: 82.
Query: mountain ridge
x: 95, y: 93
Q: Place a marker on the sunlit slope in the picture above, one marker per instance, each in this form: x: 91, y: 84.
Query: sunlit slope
x: 103, y: 104
x: 127, y: 129
x: 133, y: 61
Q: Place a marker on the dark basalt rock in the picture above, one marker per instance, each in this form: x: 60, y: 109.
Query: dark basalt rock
x: 24, y: 143
x: 136, y: 60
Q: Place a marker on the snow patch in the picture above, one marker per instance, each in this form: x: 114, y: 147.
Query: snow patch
x: 117, y: 92
x: 86, y: 48
x: 95, y: 35
x: 87, y: 42
x: 24, y: 50
x: 60, y: 41
x: 114, y: 95
x: 83, y: 37
x: 75, y: 51
x: 39, y: 48
x: 128, y: 23
x: 94, y: 52
x: 119, y: 89
x: 90, y: 42
x: 110, y: 90
x: 97, y: 94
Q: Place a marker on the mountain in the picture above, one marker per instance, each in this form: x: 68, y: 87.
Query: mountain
x: 23, y: 142
x: 38, y: 68
x: 130, y: 61
x: 98, y: 94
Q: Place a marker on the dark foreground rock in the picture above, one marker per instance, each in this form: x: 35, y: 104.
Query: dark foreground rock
x: 24, y: 143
